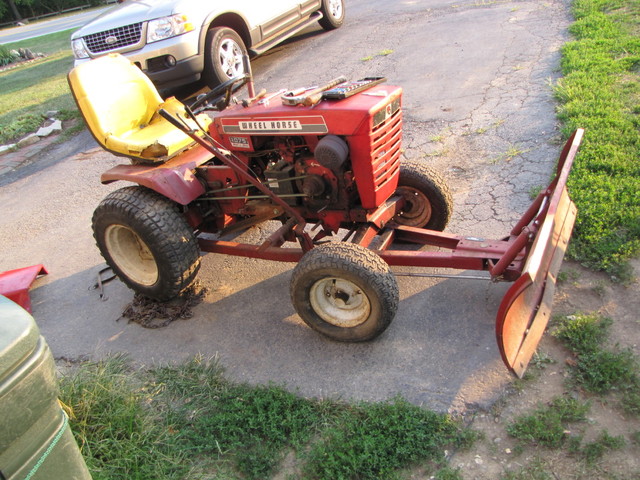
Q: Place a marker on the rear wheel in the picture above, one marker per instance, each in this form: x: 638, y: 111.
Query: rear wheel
x: 344, y: 291
x: 332, y: 14
x: 147, y: 242
x: 428, y: 202
x: 223, y: 58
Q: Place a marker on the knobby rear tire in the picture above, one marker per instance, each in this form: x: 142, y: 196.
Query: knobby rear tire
x: 147, y: 242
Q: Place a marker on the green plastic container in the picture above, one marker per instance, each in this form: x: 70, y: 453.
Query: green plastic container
x: 35, y: 440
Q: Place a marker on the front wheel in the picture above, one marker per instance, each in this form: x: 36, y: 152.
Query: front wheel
x: 428, y: 202
x: 223, y: 56
x: 345, y: 292
x: 332, y: 14
x: 147, y: 242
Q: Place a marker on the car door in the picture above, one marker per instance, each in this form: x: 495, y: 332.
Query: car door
x: 271, y: 17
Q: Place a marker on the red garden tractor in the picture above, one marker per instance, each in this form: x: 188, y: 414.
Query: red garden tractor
x: 326, y: 164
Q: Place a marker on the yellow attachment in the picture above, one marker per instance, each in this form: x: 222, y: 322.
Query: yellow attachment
x: 120, y: 106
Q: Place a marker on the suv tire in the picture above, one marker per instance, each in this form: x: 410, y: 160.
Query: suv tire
x: 332, y: 14
x: 223, y: 56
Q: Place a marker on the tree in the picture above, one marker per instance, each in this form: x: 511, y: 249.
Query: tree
x: 14, y: 10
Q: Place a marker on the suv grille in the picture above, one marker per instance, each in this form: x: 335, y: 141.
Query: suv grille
x: 114, y: 38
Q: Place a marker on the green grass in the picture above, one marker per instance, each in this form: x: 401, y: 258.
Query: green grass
x: 594, y: 451
x: 120, y: 437
x: 597, y: 368
x: 189, y: 421
x: 30, y: 90
x: 372, y: 441
x: 583, y: 333
x: 600, y: 92
x: 536, y: 470
x: 547, y: 425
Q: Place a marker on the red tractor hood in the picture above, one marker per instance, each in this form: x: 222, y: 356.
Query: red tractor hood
x: 340, y: 117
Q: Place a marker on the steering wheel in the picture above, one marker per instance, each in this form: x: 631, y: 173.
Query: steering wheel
x: 219, y: 98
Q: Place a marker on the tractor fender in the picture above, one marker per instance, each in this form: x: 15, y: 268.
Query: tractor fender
x: 174, y: 179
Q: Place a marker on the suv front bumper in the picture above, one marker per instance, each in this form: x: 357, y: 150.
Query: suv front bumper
x: 168, y: 63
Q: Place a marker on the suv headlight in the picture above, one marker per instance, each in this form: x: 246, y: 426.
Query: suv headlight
x: 167, y: 27
x: 79, y: 50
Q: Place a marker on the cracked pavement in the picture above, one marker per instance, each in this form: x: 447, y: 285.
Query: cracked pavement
x: 478, y: 106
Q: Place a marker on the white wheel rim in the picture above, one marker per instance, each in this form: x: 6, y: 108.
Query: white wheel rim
x: 132, y: 256
x: 335, y: 8
x: 340, y: 302
x: 231, y: 58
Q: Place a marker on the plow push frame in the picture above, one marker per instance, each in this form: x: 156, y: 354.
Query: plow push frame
x: 530, y: 256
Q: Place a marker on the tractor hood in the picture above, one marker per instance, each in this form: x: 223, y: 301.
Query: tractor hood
x: 359, y: 113
x: 134, y: 11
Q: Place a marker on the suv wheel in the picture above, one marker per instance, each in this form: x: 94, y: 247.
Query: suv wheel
x: 333, y: 14
x: 223, y: 59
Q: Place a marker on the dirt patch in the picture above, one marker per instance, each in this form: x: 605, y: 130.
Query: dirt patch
x: 499, y: 456
x: 150, y: 313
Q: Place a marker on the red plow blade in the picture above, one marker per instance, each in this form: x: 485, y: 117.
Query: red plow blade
x: 526, y: 307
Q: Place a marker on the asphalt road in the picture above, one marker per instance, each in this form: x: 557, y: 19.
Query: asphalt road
x: 45, y: 27
x: 477, y: 106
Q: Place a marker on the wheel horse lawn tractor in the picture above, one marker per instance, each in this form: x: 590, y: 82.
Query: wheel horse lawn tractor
x: 325, y: 163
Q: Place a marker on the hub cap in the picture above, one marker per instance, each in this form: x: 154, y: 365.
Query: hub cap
x: 335, y: 8
x: 230, y: 55
x: 340, y: 302
x: 131, y: 254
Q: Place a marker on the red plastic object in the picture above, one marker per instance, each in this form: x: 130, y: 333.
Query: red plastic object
x: 14, y: 284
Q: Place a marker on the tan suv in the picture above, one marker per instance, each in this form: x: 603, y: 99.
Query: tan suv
x: 181, y: 41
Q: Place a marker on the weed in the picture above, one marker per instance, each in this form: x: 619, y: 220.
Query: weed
x: 568, y: 275
x: 512, y: 152
x: 535, y: 191
x: 6, y: 57
x: 602, y: 371
x: 547, y: 425
x: 385, y: 52
x: 440, y: 137
x: 367, y: 58
x: 594, y: 451
x: 536, y: 470
x: 630, y: 401
x: 540, y: 360
x: 600, y: 288
x: 448, y: 473
x: 583, y: 333
x: 371, y: 441
x: 437, y: 153
x: 596, y: 369
x: 635, y: 438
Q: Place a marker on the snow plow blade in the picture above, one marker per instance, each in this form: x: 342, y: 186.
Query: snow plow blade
x: 526, y: 307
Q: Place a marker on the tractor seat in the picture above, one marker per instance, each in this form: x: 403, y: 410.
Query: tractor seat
x: 120, y: 106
